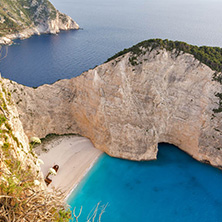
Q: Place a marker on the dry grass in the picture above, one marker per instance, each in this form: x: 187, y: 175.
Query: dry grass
x: 33, y: 206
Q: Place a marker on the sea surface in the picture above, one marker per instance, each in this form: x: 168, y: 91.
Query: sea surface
x: 109, y: 27
x: 174, y: 188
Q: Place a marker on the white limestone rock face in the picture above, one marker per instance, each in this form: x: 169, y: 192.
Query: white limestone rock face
x: 33, y: 17
x: 12, y: 133
x: 127, y: 110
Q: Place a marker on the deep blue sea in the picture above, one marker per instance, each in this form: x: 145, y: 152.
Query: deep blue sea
x: 109, y: 27
x: 174, y: 188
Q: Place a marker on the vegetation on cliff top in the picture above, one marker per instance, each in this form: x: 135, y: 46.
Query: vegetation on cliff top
x: 211, y: 56
x: 18, y: 15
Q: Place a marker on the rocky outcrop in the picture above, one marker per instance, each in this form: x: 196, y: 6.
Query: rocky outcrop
x: 15, y: 151
x: 23, y: 192
x: 22, y: 19
x: 127, y: 109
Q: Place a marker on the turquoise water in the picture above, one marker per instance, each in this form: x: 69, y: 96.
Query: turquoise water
x: 174, y: 188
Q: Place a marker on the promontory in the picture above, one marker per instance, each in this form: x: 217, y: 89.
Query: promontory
x: 24, y: 18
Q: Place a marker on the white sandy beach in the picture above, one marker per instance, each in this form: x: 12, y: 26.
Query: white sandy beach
x: 75, y: 155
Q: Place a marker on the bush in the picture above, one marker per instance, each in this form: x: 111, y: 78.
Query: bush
x: 211, y: 56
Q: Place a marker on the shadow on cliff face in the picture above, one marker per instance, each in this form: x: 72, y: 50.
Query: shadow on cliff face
x: 173, y: 155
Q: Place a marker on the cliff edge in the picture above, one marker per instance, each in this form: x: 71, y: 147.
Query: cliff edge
x: 130, y: 104
x: 21, y: 19
x: 23, y: 192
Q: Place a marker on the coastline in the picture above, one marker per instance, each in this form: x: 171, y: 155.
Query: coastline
x: 75, y: 156
x: 29, y: 32
x: 82, y: 176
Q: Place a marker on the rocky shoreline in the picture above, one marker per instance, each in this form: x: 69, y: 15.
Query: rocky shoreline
x: 52, y: 27
x: 34, y: 19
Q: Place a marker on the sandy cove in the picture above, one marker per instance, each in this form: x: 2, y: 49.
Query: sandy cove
x: 74, y: 154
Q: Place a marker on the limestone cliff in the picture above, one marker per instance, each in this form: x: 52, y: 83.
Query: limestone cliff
x: 126, y: 108
x: 23, y: 18
x: 23, y: 193
x: 13, y: 141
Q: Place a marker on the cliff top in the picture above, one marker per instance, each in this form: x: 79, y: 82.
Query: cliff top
x: 211, y: 56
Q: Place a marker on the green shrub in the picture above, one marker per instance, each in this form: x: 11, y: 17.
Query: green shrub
x: 211, y: 56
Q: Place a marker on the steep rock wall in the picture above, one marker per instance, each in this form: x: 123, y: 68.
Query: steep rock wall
x: 23, y: 192
x: 22, y: 19
x: 15, y: 152
x: 126, y: 110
